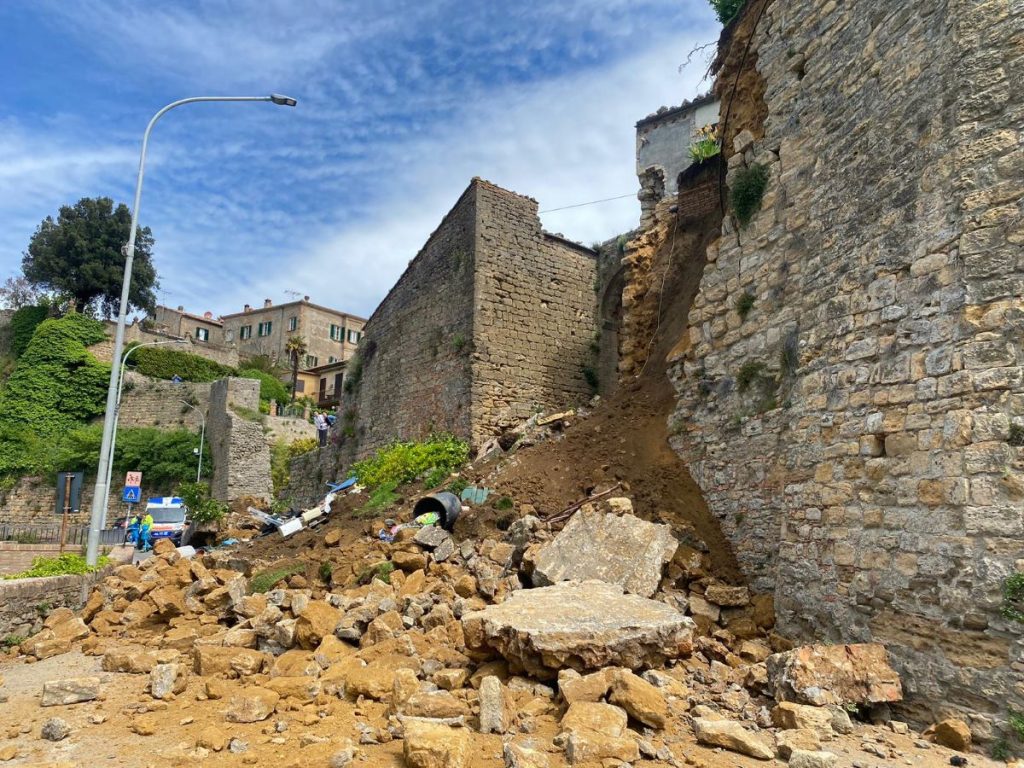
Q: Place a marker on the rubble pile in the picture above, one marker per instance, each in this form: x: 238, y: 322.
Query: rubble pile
x: 446, y: 648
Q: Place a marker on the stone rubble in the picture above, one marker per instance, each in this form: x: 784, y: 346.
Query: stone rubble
x: 445, y: 652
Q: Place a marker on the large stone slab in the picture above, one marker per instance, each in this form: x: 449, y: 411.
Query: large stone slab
x: 834, y: 674
x: 583, y: 625
x: 622, y: 550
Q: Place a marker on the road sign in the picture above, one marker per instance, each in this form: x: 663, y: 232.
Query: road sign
x: 132, y: 494
x: 133, y: 479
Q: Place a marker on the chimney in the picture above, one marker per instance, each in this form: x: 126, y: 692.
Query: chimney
x: 247, y: 308
x: 208, y: 315
x: 305, y: 298
x: 267, y: 303
x: 181, y: 308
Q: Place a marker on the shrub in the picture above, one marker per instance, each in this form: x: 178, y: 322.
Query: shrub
x: 57, y: 384
x: 23, y: 324
x: 1001, y: 750
x: 1016, y: 437
x: 325, y: 571
x: 302, y: 445
x: 504, y: 503
x: 706, y: 145
x: 165, y: 458
x: 382, y: 497
x: 13, y: 640
x: 59, y: 566
x: 458, y: 485
x: 271, y: 388
x: 201, y: 507
x: 726, y: 10
x: 590, y: 376
x: 162, y: 363
x: 745, y: 303
x: 1016, y: 721
x: 401, y: 463
x: 1013, y: 598
x: 266, y: 580
x: 747, y: 191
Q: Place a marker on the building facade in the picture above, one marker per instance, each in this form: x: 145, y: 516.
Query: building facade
x: 331, y: 336
x: 203, y: 329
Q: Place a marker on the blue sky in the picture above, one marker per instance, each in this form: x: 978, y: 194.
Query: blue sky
x: 400, y: 104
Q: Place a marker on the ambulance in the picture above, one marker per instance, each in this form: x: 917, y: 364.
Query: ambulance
x: 170, y: 520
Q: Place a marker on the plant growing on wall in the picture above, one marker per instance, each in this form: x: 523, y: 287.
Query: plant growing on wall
x: 201, y: 506
x: 706, y: 144
x: 404, y: 462
x: 747, y: 192
x: 1013, y: 598
x: 726, y: 10
x: 163, y: 363
x: 745, y: 303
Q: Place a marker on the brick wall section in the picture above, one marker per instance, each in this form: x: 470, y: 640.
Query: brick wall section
x: 866, y: 474
x: 533, y: 320
x: 25, y: 603
x: 241, y: 456
x: 417, y: 378
x: 149, y: 402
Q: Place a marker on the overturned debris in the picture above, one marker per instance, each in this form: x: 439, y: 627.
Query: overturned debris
x: 582, y: 625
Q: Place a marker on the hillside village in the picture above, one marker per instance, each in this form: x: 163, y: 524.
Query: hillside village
x: 740, y: 485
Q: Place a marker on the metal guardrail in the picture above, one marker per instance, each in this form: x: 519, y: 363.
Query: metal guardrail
x: 75, y: 535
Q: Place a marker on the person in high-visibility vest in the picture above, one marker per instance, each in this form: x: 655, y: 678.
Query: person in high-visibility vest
x: 146, y: 532
x: 134, y: 526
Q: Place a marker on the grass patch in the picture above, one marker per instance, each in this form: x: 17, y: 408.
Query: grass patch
x: 247, y: 413
x: 1001, y: 750
x: 1013, y: 604
x: 13, y: 640
x: 458, y: 485
x: 63, y: 565
x: 379, y: 499
x: 504, y: 503
x: 266, y: 580
x: 1016, y: 437
x: 751, y: 372
x: 382, y: 571
x: 325, y: 571
x: 745, y: 303
x: 1016, y: 721
x: 747, y: 192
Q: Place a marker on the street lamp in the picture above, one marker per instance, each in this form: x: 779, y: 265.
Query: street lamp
x: 202, y: 438
x: 117, y: 416
x: 100, y: 493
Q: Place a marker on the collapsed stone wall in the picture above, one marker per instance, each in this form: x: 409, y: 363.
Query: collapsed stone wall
x: 533, y: 315
x: 241, y: 456
x: 853, y: 372
x: 25, y: 603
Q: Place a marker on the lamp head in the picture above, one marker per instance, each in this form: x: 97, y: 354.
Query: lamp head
x: 283, y: 101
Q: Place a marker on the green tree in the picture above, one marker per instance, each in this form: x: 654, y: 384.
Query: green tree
x: 79, y: 255
x: 296, y: 348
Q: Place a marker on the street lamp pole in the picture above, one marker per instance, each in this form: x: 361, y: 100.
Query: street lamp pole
x: 100, y: 493
x: 202, y: 438
x: 117, y: 417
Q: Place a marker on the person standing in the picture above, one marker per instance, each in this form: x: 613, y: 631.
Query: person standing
x: 146, y: 532
x: 320, y: 422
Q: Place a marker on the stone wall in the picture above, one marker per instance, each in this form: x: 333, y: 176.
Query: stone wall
x: 33, y: 500
x: 25, y: 603
x: 533, y: 318
x: 241, y: 456
x: 853, y: 431
x: 287, y: 428
x: 148, y: 402
x: 417, y: 345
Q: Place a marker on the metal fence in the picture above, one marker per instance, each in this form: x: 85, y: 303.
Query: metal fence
x: 74, y: 536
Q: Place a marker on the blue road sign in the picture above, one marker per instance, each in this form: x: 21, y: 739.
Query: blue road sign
x: 132, y: 494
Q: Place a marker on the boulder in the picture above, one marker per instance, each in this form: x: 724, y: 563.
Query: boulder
x: 726, y: 596
x: 435, y: 705
x: 212, y: 738
x: 431, y: 536
x: 167, y: 679
x: 430, y: 745
x: 55, y: 729
x: 57, y: 636
x: 788, y: 716
x: 641, y: 700
x: 71, y: 690
x: 130, y: 659
x: 409, y: 561
x: 251, y: 705
x: 834, y: 674
x: 317, y: 621
x: 169, y: 601
x: 525, y: 755
x: 374, y: 681
x: 496, y: 709
x: 592, y: 687
x: 803, y: 758
x: 730, y: 735
x: 800, y: 738
x: 583, y: 625
x: 623, y: 550
x: 223, y: 660
x: 596, y: 732
x: 303, y: 688
x: 951, y: 733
